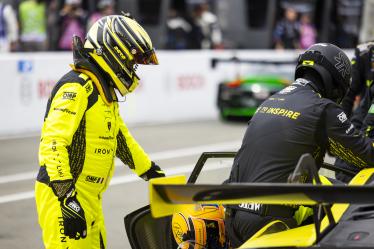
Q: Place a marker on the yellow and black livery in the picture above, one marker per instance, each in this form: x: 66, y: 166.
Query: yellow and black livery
x: 83, y: 131
x: 346, y: 221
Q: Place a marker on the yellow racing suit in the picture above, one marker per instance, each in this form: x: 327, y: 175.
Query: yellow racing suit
x: 81, y: 136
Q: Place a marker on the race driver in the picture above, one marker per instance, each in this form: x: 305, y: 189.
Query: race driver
x: 83, y: 133
x: 302, y: 118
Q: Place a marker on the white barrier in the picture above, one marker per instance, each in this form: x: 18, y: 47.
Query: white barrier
x: 182, y: 87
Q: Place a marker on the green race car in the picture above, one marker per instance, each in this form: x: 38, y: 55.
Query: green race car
x: 240, y: 98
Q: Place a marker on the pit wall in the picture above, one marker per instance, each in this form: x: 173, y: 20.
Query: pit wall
x: 182, y: 88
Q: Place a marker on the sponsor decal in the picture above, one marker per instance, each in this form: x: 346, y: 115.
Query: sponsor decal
x: 59, y: 170
x: 210, y: 224
x: 178, y: 231
x: 73, y: 205
x: 287, y: 90
x: 62, y: 232
x: 108, y: 123
x: 342, y: 117
x: 349, y: 129
x: 54, y: 143
x: 251, y: 206
x: 25, y: 66
x: 301, y: 82
x: 308, y: 63
x: 190, y: 82
x: 119, y: 52
x: 279, y: 112
x: 343, y: 65
x: 88, y: 87
x: 106, y: 137
x: 103, y: 151
x: 69, y: 95
x: 45, y: 88
x: 64, y: 110
x: 56, y: 158
x: 94, y: 179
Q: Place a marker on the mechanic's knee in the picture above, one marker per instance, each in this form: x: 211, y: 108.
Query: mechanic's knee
x: 243, y: 225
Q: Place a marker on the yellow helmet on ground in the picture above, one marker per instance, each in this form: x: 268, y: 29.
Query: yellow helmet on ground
x: 117, y: 43
x: 200, y: 227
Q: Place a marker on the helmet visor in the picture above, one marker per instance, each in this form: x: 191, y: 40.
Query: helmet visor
x: 147, y: 58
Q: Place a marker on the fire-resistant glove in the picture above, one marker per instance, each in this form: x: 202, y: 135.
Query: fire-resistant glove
x: 73, y: 215
x: 154, y: 172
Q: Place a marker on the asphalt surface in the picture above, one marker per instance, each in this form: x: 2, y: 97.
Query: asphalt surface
x: 175, y: 147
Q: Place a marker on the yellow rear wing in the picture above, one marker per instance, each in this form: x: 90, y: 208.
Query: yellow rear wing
x: 171, y: 194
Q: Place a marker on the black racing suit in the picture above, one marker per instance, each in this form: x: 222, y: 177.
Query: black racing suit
x: 294, y: 121
x: 362, y: 80
x: 362, y: 85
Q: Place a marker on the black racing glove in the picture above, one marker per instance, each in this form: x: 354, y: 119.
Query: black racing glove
x: 358, y: 83
x: 154, y: 172
x: 73, y: 215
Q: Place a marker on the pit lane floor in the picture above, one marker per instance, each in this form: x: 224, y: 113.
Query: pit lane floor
x: 175, y: 147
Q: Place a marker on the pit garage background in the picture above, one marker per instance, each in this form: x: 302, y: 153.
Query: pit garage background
x: 173, y: 113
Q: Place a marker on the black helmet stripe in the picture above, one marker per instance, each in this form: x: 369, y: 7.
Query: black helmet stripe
x: 100, y: 29
x: 142, y: 44
x: 101, y: 36
x: 131, y: 38
x: 121, y: 31
x: 107, y: 45
x: 108, y: 55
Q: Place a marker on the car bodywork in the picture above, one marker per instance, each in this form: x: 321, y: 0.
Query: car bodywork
x: 343, y: 215
x: 241, y: 97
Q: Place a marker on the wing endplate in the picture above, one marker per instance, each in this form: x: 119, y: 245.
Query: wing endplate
x: 159, y: 207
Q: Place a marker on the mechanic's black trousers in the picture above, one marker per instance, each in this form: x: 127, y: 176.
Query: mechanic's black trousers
x: 241, y: 225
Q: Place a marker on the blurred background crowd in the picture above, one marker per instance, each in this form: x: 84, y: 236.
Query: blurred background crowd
x: 48, y: 25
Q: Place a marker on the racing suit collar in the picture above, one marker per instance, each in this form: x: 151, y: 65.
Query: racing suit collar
x: 106, y: 92
x: 83, y: 64
x: 314, y: 83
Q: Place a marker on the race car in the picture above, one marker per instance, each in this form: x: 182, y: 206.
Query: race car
x: 241, y: 97
x: 190, y: 215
